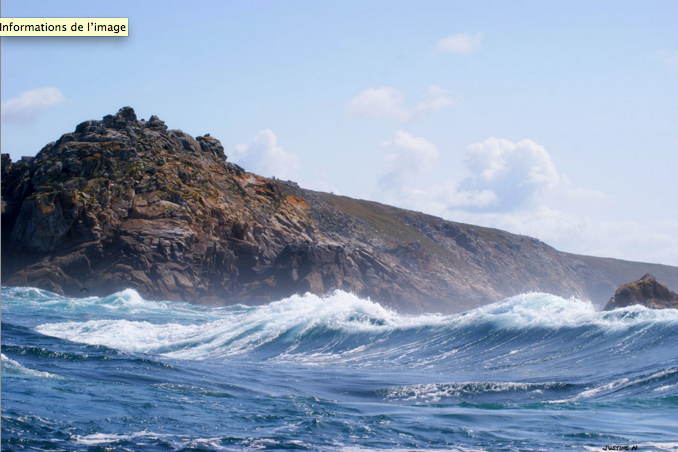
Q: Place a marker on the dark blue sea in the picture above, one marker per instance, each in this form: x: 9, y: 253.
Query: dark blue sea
x: 337, y: 373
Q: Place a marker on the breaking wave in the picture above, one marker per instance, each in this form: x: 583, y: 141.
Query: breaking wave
x: 343, y: 328
x: 306, y: 370
x: 11, y: 368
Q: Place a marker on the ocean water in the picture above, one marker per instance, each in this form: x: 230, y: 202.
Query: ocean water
x: 338, y: 373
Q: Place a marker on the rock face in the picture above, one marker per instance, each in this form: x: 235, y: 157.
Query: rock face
x: 647, y: 291
x: 124, y: 202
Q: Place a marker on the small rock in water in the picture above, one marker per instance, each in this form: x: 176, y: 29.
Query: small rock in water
x: 647, y: 291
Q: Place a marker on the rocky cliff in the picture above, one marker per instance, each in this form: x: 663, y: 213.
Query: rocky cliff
x: 647, y: 291
x: 124, y: 202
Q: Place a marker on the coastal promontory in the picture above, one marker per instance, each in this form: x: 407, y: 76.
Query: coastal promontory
x: 124, y: 202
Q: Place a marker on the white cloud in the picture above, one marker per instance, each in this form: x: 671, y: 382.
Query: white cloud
x: 376, y: 103
x: 504, y: 191
x: 516, y: 172
x: 322, y: 181
x: 583, y: 195
x: 387, y: 101
x: 505, y: 177
x: 417, y: 152
x: 436, y: 99
x: 26, y: 108
x: 412, y: 160
x: 265, y: 157
x: 462, y: 43
x: 412, y: 157
x: 440, y: 199
x: 240, y: 150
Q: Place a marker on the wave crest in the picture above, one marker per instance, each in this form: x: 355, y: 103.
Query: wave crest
x: 343, y: 328
x: 11, y: 368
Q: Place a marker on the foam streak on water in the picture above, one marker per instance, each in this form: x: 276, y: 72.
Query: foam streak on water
x: 338, y: 372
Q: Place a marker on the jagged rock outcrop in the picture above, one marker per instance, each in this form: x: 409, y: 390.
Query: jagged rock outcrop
x: 124, y: 202
x: 647, y: 291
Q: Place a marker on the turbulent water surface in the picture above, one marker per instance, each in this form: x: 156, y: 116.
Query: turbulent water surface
x: 534, y: 372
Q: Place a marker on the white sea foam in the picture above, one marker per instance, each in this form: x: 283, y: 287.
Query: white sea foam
x: 616, y: 385
x: 546, y: 310
x: 665, y: 388
x: 519, y: 311
x: 178, y: 442
x: 434, y: 392
x: 591, y: 392
x: 119, y: 304
x: 239, y: 331
x: 109, y: 438
x: 28, y: 293
x: 13, y: 368
x: 184, y: 331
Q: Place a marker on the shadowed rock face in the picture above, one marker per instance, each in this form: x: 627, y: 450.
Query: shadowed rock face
x: 647, y: 291
x: 124, y: 202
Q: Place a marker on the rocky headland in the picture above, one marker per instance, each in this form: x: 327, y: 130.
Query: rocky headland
x: 647, y: 291
x: 124, y: 202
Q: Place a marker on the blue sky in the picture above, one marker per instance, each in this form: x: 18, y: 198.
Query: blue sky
x: 557, y: 120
